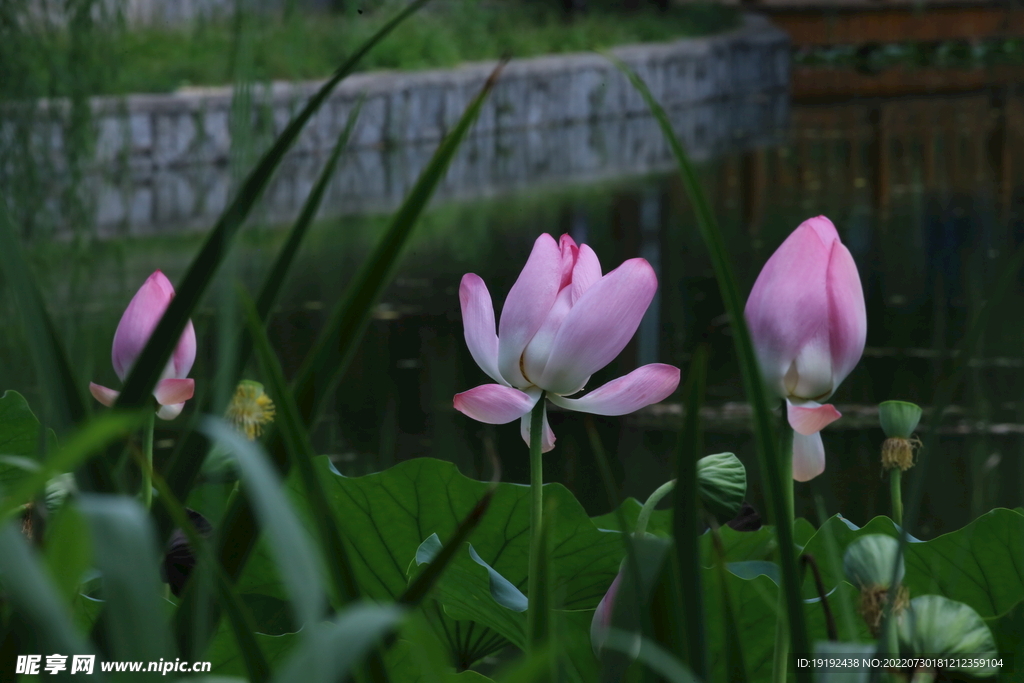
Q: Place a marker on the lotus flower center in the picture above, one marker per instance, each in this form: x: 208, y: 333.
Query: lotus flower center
x: 791, y: 381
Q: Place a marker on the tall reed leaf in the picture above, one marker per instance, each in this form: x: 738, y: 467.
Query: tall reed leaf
x: 337, y: 342
x: 330, y: 651
x: 283, y: 263
x: 296, y: 441
x: 182, y: 472
x: 238, y: 616
x: 35, y: 598
x: 295, y: 556
x: 651, y: 655
x: 61, y: 389
x: 340, y: 337
x: 686, y: 518
x: 943, y: 398
x: 772, y: 468
x: 735, y: 664
x: 91, y: 439
x: 153, y: 358
x: 425, y: 580
x: 642, y: 616
x: 272, y: 285
x: 125, y: 553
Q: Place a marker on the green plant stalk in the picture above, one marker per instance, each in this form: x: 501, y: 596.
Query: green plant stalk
x: 533, y: 620
x: 330, y: 357
x: 153, y: 357
x: 780, y: 657
x: 896, y: 492
x: 652, y: 501
x: 238, y: 616
x: 753, y: 383
x: 686, y: 525
x: 147, y: 451
x: 943, y: 397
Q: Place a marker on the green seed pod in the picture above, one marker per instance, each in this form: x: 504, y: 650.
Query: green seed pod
x: 868, y: 561
x: 934, y: 625
x: 722, y: 484
x: 899, y: 418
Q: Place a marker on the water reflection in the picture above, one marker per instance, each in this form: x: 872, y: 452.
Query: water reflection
x: 923, y: 191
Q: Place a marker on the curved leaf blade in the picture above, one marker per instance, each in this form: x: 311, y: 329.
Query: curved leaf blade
x: 296, y: 558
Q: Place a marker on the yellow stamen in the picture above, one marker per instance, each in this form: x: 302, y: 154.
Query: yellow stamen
x: 899, y: 452
x: 250, y: 409
x: 873, y: 600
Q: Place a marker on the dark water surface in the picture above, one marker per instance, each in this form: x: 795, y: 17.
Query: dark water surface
x: 925, y: 192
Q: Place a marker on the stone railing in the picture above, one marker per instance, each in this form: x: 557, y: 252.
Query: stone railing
x: 162, y: 160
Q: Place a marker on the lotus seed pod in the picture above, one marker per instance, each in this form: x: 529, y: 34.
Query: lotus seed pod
x: 722, y: 484
x: 937, y: 626
x: 869, y: 560
x: 899, y: 418
x: 868, y: 564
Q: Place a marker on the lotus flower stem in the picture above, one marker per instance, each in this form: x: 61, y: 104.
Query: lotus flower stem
x: 652, y: 501
x: 781, y: 653
x: 537, y: 422
x: 147, y: 450
x: 896, y: 492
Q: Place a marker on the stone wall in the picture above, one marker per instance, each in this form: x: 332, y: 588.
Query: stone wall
x: 162, y: 160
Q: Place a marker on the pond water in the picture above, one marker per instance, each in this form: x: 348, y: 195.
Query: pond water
x: 924, y: 191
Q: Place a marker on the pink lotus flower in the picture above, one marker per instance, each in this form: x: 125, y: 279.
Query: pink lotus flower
x: 562, y: 322
x: 137, y: 324
x: 808, y: 323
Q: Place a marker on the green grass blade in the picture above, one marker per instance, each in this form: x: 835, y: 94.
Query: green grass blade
x: 325, y: 365
x: 296, y: 559
x: 151, y: 361
x: 329, y: 652
x: 297, y: 444
x: 736, y: 668
x: 943, y: 398
x: 182, y: 472
x: 651, y: 655
x: 274, y: 281
x: 96, y: 435
x: 686, y: 519
x: 425, y: 580
x: 282, y: 264
x: 238, y: 616
x: 632, y: 561
x: 35, y: 598
x: 125, y: 552
x: 753, y: 384
x: 338, y: 342
x: 60, y: 387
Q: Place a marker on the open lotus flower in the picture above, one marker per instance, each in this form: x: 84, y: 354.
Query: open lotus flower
x: 808, y: 323
x: 137, y: 324
x: 562, y: 322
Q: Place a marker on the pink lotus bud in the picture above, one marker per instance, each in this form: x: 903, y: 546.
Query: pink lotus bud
x: 808, y: 323
x: 133, y: 332
x: 562, y: 322
x: 601, y: 624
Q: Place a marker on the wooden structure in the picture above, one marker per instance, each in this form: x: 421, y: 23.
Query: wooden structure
x: 884, y: 22
x: 888, y: 147
x: 812, y: 23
